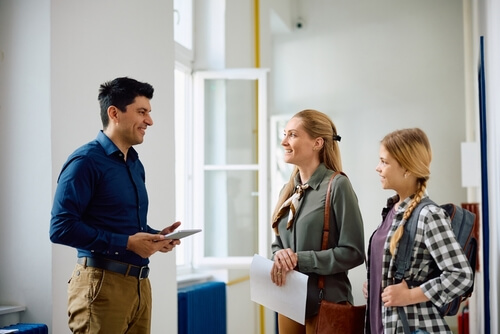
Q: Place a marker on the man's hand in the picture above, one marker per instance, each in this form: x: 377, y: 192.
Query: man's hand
x: 170, y: 228
x: 169, y: 244
x: 146, y: 244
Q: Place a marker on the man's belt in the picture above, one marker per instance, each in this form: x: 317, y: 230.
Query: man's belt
x: 115, y: 266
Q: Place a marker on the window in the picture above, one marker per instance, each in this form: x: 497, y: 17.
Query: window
x: 230, y: 167
x: 221, y: 167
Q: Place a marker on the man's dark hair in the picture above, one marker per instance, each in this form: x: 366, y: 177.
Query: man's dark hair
x: 121, y: 92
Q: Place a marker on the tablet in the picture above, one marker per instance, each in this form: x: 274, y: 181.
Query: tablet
x: 179, y: 234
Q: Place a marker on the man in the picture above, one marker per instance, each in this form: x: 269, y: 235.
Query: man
x: 100, y: 208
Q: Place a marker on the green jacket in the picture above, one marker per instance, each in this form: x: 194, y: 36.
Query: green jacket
x: 346, y: 241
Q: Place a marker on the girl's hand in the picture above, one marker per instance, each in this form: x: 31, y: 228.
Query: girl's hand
x: 401, y: 295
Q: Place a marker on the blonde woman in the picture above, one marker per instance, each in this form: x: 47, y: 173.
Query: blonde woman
x: 310, y: 141
x: 405, y: 157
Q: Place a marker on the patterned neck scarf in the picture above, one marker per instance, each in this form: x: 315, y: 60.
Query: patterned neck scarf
x: 293, y: 203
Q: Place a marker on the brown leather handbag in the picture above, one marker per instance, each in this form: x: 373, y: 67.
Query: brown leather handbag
x: 336, y: 318
x: 333, y: 318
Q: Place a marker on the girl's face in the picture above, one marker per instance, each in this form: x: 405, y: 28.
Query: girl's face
x: 300, y: 148
x: 392, y: 175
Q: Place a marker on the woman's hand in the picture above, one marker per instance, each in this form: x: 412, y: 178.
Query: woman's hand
x: 285, y: 260
x: 278, y: 276
x: 365, y: 289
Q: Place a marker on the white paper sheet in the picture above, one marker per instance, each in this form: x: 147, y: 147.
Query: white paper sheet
x: 289, y: 299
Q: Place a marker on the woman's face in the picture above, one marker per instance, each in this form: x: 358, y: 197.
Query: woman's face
x: 392, y: 175
x: 300, y: 148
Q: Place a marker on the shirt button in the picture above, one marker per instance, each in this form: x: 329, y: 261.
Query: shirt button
x: 116, y: 253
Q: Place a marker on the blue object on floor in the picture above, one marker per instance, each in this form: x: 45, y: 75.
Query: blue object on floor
x: 29, y: 328
x: 202, y: 308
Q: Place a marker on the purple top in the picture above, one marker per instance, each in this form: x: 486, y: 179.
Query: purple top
x: 376, y: 254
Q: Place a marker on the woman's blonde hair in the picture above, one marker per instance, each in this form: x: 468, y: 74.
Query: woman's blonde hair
x: 316, y: 124
x: 412, y: 150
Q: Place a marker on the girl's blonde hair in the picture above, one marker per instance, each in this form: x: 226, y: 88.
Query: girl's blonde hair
x: 412, y: 150
x: 316, y: 124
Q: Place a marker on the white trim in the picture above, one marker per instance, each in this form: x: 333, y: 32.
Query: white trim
x: 183, y: 55
x: 231, y: 167
x: 11, y: 309
x: 262, y: 166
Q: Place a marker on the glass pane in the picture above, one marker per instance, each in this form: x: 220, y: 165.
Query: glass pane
x: 230, y: 122
x: 231, y: 213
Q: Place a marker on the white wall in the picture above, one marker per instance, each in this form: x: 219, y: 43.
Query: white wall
x: 54, y: 54
x: 25, y: 167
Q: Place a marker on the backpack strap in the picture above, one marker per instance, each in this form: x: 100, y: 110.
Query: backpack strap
x: 403, y: 256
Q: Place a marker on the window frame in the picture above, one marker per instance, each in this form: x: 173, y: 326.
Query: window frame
x: 262, y: 165
x: 183, y: 162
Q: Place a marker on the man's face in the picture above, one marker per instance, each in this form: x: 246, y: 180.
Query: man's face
x: 132, y: 124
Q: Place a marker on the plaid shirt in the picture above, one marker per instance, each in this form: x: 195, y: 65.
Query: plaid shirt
x: 435, y: 247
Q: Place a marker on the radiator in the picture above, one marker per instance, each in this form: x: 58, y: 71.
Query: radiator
x: 27, y: 328
x: 202, y: 308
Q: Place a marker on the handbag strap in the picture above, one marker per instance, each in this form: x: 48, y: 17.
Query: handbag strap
x: 326, y: 228
x: 326, y: 225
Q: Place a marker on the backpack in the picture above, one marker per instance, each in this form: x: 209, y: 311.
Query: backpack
x: 462, y: 223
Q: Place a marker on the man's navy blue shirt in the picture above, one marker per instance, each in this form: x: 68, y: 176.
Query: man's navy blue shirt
x: 100, y: 201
